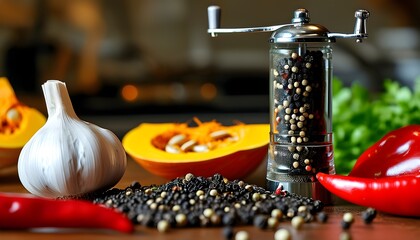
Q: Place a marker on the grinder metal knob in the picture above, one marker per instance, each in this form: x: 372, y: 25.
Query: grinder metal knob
x: 360, y: 25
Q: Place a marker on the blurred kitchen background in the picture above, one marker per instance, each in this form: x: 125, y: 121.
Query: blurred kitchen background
x: 133, y: 61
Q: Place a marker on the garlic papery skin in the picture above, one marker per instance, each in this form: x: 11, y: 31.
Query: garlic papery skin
x: 69, y: 157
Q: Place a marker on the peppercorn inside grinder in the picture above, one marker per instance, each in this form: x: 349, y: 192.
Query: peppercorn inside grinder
x: 300, y: 100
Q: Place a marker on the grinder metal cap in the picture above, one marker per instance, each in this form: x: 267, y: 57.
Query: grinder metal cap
x: 301, y: 30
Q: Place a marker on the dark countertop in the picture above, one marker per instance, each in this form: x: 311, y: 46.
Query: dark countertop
x: 383, y: 227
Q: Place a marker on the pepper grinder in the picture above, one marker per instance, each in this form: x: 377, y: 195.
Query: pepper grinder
x: 300, y: 76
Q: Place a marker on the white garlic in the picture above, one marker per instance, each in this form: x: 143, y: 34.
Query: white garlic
x: 68, y: 156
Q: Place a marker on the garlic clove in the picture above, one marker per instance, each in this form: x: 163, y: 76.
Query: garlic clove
x: 68, y: 156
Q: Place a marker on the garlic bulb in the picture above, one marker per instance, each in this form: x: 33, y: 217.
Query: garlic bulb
x: 68, y: 156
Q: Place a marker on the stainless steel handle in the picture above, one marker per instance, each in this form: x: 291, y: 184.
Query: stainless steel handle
x: 360, y: 30
x: 214, y: 15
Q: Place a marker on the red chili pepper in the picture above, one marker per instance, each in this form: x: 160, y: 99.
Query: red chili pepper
x: 386, y: 176
x: 396, y: 195
x: 22, y: 211
x: 396, y: 154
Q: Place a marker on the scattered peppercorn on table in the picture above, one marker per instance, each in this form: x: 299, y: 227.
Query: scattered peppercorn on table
x: 382, y: 227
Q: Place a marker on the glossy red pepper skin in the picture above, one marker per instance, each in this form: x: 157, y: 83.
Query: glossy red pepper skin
x: 395, y: 195
x: 396, y: 154
x: 386, y: 176
x: 22, y: 211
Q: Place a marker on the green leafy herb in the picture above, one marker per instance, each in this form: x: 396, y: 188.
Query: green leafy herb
x: 360, y: 119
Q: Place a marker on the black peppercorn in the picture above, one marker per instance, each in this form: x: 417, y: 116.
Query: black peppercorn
x: 260, y: 221
x: 322, y: 217
x: 228, y: 219
x: 200, y: 201
x: 368, y: 215
x: 345, y: 225
x: 228, y: 233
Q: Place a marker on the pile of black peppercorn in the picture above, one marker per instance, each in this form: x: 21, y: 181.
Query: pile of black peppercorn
x: 299, y: 90
x: 194, y: 201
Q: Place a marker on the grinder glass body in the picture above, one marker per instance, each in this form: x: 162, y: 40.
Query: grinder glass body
x: 300, y: 117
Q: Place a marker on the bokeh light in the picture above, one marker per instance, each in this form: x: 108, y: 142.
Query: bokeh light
x: 208, y: 91
x: 129, y: 93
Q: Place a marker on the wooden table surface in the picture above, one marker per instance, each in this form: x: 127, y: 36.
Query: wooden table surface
x: 384, y: 226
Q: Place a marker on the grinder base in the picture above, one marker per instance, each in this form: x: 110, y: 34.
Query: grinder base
x: 312, y: 190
